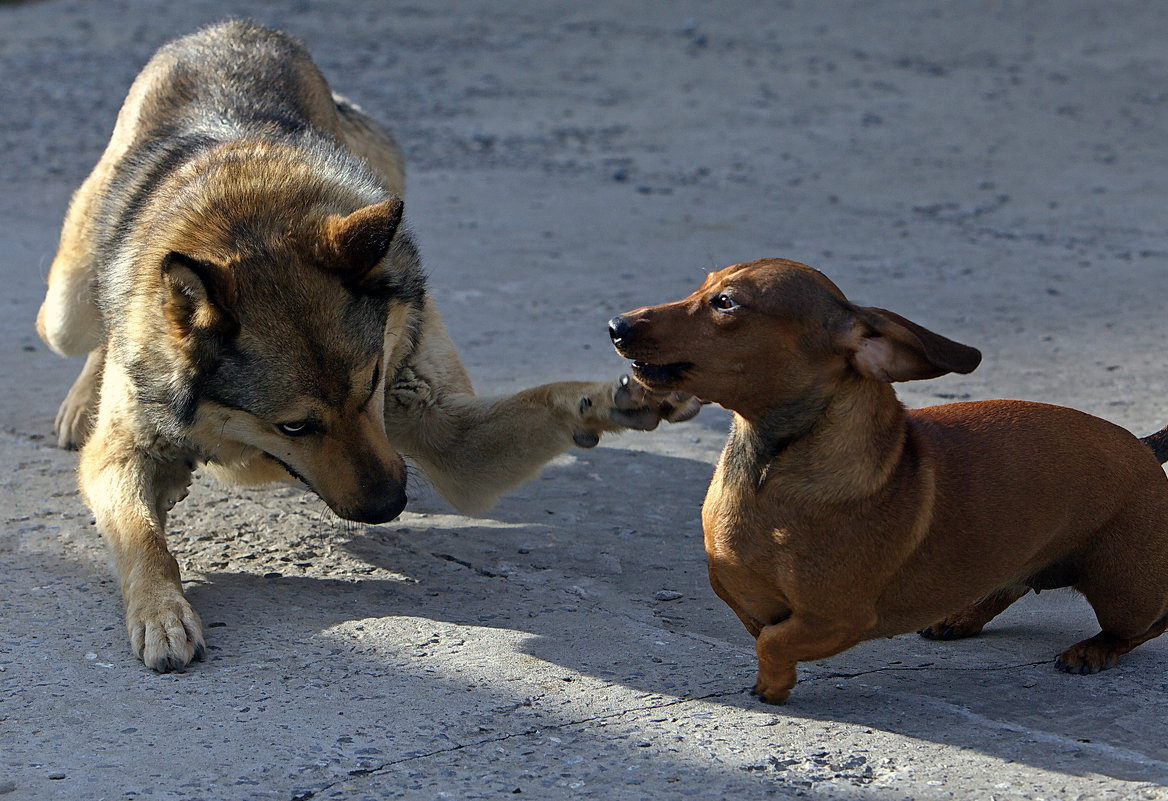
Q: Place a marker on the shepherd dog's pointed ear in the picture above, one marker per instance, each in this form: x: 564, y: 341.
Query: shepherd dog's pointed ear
x: 356, y: 243
x: 886, y: 347
x: 197, y: 297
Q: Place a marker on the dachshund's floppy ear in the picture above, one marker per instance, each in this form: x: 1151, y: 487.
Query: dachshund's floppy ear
x: 886, y: 347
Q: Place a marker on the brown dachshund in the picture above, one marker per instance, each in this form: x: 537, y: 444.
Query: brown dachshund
x: 835, y: 515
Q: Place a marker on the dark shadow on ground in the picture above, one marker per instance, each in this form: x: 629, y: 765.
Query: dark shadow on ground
x: 575, y: 578
x: 615, y: 534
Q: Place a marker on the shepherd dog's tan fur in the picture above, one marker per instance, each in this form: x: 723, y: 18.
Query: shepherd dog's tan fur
x: 236, y: 269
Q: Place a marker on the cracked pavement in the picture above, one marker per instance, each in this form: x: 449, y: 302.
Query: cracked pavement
x: 998, y: 173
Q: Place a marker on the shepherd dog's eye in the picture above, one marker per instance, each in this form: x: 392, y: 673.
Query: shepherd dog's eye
x: 297, y: 429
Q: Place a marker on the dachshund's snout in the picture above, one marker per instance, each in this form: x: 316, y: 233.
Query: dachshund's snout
x: 619, y: 329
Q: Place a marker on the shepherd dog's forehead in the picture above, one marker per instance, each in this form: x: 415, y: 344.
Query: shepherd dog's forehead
x: 238, y: 194
x: 322, y: 355
x: 343, y: 335
x: 267, y: 380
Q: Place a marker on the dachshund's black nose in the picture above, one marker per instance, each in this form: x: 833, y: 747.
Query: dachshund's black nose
x: 618, y: 328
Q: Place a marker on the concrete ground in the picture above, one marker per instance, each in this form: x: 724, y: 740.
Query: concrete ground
x: 998, y: 172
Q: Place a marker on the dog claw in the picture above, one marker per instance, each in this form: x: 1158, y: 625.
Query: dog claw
x: 635, y: 407
x: 169, y: 664
x: 1076, y: 670
x: 766, y: 699
x: 931, y: 633
x: 174, y: 663
x: 1084, y: 668
x: 629, y: 395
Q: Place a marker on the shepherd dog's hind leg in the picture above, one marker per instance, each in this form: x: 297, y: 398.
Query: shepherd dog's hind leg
x: 75, y: 417
x: 373, y: 143
x: 69, y: 321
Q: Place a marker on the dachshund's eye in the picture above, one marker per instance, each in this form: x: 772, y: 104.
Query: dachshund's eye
x: 723, y: 302
x: 297, y: 429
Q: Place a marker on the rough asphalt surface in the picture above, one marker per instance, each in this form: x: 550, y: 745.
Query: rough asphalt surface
x: 998, y: 172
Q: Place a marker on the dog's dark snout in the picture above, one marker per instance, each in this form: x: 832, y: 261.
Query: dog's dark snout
x: 382, y: 508
x: 619, y: 328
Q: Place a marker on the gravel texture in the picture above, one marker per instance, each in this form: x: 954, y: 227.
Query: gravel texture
x: 997, y: 172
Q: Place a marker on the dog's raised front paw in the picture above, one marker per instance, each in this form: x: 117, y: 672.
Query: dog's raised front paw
x: 408, y: 393
x: 634, y: 406
x: 626, y: 404
x: 165, y: 632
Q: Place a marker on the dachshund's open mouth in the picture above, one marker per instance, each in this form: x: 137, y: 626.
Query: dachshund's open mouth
x: 660, y: 374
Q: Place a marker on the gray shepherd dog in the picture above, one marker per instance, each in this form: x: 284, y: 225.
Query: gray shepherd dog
x: 237, y: 271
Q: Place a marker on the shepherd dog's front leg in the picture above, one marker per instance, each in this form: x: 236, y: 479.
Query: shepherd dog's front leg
x: 130, y: 492
x: 474, y: 448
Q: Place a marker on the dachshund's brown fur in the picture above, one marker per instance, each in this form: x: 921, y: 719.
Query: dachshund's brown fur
x: 836, y: 516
